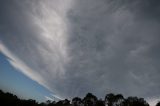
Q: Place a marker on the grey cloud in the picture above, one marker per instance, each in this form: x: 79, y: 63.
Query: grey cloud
x: 109, y: 42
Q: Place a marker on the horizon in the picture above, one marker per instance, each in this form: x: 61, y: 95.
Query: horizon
x: 63, y: 49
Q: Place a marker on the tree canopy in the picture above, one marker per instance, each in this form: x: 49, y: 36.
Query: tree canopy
x: 8, y: 99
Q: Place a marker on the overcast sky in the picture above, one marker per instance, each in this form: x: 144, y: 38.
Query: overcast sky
x: 72, y: 47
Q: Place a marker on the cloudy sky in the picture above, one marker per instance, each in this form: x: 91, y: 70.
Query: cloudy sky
x: 71, y: 47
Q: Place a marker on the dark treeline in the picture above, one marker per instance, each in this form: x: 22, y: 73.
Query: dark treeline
x: 8, y: 99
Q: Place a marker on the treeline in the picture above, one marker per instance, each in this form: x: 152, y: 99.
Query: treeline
x: 8, y: 99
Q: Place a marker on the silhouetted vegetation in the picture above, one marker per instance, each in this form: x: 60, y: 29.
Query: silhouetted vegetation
x: 158, y: 104
x: 8, y: 99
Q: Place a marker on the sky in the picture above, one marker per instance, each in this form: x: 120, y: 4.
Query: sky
x: 17, y: 83
x: 67, y: 48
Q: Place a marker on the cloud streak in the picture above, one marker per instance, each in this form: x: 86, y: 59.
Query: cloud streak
x: 39, y: 48
x: 79, y: 46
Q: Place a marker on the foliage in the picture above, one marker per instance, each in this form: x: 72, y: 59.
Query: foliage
x: 8, y: 99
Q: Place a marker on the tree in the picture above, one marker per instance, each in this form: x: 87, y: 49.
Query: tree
x: 77, y: 101
x: 109, y: 99
x: 49, y: 103
x: 90, y: 100
x: 8, y: 99
x: 119, y: 99
x: 100, y: 103
x: 158, y: 104
x: 134, y: 101
x: 65, y: 102
x: 114, y: 100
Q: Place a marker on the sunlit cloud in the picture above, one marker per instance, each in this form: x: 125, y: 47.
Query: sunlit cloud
x: 153, y: 101
x: 48, y: 98
x: 56, y: 97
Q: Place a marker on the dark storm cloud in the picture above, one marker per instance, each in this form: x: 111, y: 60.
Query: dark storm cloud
x: 85, y: 46
x: 112, y: 46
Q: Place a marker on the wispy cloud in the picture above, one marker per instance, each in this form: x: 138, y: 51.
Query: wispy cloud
x: 56, y: 97
x: 44, y: 51
x: 53, y: 97
x: 48, y: 98
x: 153, y: 101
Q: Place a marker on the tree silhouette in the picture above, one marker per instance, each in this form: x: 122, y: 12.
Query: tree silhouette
x: 158, y: 104
x: 100, y: 103
x: 110, y: 99
x: 77, y: 101
x: 134, y: 101
x: 90, y: 100
x: 8, y: 99
x: 65, y: 102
